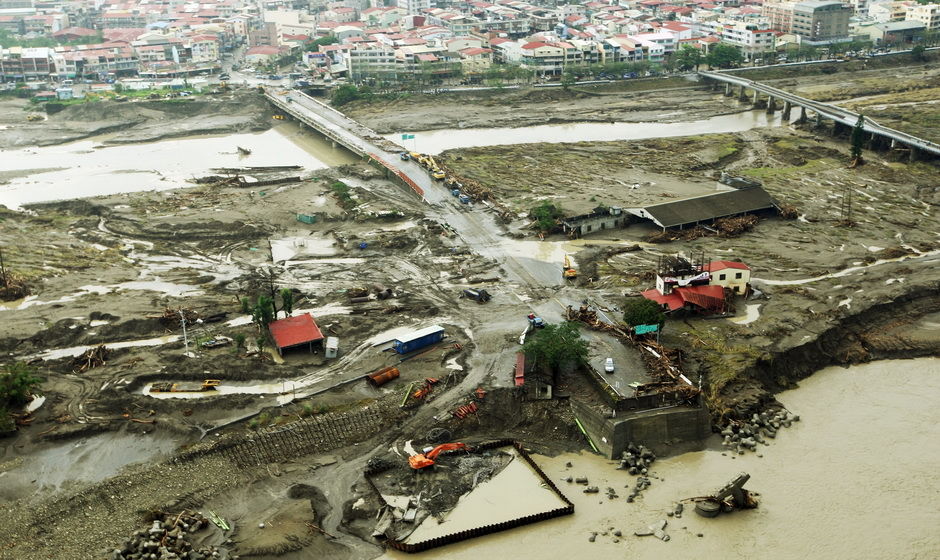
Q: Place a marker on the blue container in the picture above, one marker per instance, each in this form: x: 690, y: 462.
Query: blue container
x: 419, y: 339
x: 363, y: 245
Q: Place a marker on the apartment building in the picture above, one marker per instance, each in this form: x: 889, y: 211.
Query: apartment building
x: 750, y: 38
x: 814, y: 21
x: 927, y: 14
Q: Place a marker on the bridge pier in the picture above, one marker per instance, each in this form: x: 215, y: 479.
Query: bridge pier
x: 802, y: 118
x: 771, y: 104
x: 914, y: 155
x: 787, y: 106
x: 755, y: 98
x: 819, y: 119
x: 742, y: 95
x: 728, y: 92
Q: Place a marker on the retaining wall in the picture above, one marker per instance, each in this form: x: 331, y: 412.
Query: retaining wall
x: 568, y: 509
x: 652, y: 428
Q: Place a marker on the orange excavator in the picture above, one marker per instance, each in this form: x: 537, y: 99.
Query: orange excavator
x: 423, y: 461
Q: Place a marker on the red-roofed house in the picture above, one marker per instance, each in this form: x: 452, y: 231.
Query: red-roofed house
x: 294, y: 332
x: 73, y: 33
x: 729, y: 274
x: 475, y: 60
x: 708, y: 299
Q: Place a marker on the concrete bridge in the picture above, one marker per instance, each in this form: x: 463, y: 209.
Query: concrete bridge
x: 843, y: 119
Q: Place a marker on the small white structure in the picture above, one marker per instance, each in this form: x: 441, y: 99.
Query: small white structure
x: 729, y: 274
x: 332, y: 347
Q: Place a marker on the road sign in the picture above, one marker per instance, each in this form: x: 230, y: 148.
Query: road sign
x: 407, y: 136
x: 643, y: 329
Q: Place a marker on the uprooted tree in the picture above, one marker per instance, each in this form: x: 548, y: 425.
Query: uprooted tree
x: 12, y: 285
x: 546, y: 215
x: 18, y: 381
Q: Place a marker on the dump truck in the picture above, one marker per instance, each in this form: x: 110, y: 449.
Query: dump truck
x: 479, y: 296
x: 422, y: 461
x: 168, y: 387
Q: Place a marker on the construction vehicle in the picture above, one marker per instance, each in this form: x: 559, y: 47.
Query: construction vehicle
x: 168, y: 387
x: 438, y: 174
x: 33, y: 117
x: 479, y: 296
x: 424, y: 460
x: 568, y: 271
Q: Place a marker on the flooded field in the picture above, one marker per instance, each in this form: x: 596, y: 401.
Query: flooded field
x: 90, y: 168
x: 436, y: 141
x: 828, y: 488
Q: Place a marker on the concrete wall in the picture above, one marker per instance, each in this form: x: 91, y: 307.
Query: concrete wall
x: 652, y: 428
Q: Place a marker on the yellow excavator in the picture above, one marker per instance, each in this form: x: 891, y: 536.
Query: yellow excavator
x: 568, y: 270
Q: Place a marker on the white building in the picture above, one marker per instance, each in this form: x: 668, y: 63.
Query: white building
x: 414, y: 6
x: 729, y: 274
x: 927, y: 14
x: 750, y: 38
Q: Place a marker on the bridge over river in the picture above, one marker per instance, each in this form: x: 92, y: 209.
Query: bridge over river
x: 880, y: 135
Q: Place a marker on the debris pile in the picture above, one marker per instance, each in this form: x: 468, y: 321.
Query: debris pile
x: 13, y: 286
x: 91, y: 358
x: 637, y: 461
x: 741, y: 435
x: 723, y: 227
x: 172, y: 317
x: 168, y: 538
x: 728, y: 498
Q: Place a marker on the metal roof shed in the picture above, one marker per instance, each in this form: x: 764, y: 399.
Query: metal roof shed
x: 419, y: 339
x: 294, y: 331
x: 707, y: 207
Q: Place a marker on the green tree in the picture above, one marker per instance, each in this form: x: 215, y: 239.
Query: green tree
x: 17, y: 382
x: 550, y: 346
x: 263, y: 312
x: 546, y: 214
x: 344, y: 94
x: 687, y: 58
x: 287, y: 301
x: 724, y: 56
x: 858, y: 139
x: 919, y: 53
x: 641, y: 311
x: 568, y: 79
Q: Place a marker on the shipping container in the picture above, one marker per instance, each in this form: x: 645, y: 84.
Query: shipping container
x: 419, y: 339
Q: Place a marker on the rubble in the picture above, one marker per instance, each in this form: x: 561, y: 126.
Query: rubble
x: 741, y: 436
x: 169, y: 538
x: 91, y: 358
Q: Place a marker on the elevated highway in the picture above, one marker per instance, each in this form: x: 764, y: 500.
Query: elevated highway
x: 842, y: 117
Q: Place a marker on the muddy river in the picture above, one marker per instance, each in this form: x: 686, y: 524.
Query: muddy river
x: 858, y: 477
x: 436, y: 141
x: 89, y: 168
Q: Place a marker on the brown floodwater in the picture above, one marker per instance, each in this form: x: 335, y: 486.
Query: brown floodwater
x: 857, y: 477
x: 88, y: 168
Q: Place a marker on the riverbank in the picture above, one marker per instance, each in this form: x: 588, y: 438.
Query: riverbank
x: 134, y: 121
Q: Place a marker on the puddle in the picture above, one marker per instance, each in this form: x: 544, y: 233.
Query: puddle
x: 751, y: 314
x: 73, y: 351
x: 88, y: 460
x: 845, y: 272
x: 168, y: 288
x: 288, y: 248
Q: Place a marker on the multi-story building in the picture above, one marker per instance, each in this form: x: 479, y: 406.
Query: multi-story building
x: 750, y: 38
x: 927, y: 14
x: 814, y: 21
x: 888, y: 11
x: 821, y: 21
x: 19, y: 63
x: 415, y: 6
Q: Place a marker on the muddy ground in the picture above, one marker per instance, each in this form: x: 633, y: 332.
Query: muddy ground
x: 107, y: 270
x: 133, y: 121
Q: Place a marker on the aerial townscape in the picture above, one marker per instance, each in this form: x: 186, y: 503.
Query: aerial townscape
x: 289, y: 279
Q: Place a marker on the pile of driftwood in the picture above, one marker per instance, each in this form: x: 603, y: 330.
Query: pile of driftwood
x: 723, y: 227
x: 12, y: 286
x: 91, y: 358
x: 172, y: 317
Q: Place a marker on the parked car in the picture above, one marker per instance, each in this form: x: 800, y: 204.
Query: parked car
x: 224, y: 76
x: 404, y: 156
x: 609, y: 365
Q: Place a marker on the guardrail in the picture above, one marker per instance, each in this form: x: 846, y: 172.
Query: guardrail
x: 832, y: 112
x: 398, y: 173
x: 315, y: 124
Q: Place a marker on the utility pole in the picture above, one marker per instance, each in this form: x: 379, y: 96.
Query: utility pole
x: 185, y: 339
